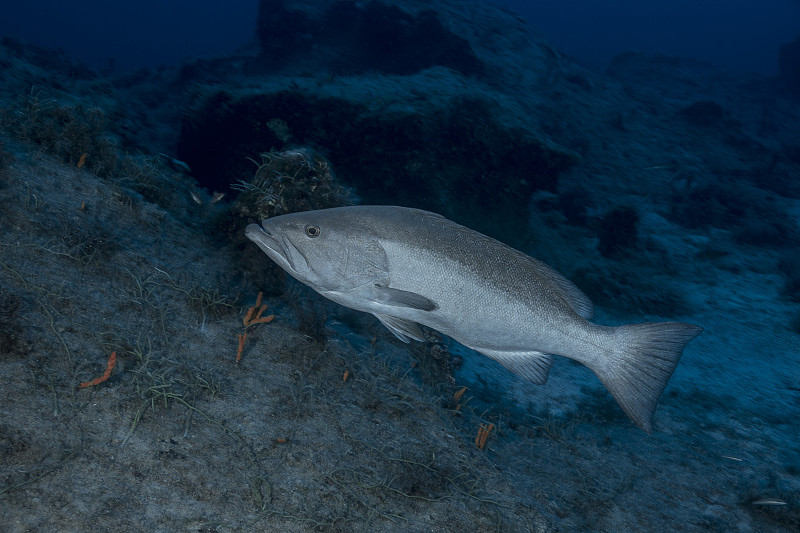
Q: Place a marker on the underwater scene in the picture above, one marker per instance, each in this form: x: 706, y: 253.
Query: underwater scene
x: 391, y: 266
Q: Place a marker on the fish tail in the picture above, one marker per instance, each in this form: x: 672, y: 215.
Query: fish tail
x: 642, y: 361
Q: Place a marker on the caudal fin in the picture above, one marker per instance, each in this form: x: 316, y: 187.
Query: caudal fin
x: 645, y: 355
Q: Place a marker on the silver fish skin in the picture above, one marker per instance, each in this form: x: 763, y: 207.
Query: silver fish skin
x: 408, y: 267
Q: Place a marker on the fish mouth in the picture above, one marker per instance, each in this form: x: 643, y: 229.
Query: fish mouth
x: 278, y: 248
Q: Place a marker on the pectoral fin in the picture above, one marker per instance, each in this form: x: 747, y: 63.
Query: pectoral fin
x: 399, y: 298
x: 405, y: 330
x: 533, y: 366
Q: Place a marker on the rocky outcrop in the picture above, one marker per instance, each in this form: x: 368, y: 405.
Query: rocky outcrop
x: 357, y: 37
x: 454, y: 156
x: 406, y: 110
x: 789, y: 65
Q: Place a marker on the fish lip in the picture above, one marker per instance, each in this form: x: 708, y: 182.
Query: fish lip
x: 268, y: 244
x: 278, y: 248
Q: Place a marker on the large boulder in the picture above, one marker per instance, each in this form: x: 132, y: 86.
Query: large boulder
x: 354, y: 37
x: 789, y: 65
x: 456, y: 156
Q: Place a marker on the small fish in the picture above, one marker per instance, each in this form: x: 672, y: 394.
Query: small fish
x: 410, y: 267
x: 768, y: 501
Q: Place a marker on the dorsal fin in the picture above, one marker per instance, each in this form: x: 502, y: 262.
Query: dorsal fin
x: 573, y: 295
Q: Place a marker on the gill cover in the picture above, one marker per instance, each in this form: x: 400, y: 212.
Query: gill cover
x: 355, y: 259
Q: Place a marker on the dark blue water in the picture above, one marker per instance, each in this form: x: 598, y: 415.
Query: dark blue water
x: 739, y: 35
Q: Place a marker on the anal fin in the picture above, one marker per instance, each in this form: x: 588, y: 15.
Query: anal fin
x: 533, y: 366
x: 405, y: 330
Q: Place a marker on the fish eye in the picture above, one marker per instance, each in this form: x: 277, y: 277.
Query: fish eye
x: 312, y: 231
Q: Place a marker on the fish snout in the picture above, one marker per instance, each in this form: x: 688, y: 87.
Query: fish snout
x: 257, y: 233
x: 265, y: 240
x: 279, y: 248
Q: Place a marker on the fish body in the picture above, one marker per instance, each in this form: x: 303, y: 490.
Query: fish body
x: 408, y: 267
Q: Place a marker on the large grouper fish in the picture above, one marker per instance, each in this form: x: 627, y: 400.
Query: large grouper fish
x: 410, y: 267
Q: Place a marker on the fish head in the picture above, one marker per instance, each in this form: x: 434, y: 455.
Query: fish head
x: 330, y: 250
